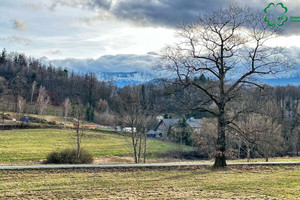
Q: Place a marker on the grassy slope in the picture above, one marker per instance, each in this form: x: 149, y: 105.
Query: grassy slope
x: 19, y: 146
x: 247, y: 183
x: 48, y: 118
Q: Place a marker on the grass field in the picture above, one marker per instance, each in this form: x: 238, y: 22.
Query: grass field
x: 31, y: 145
x: 275, y: 182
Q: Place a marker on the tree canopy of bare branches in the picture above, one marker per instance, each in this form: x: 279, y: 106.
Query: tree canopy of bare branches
x: 43, y: 100
x: 135, y: 114
x: 229, y: 46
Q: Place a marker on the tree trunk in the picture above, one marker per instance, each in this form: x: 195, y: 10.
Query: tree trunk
x: 239, y: 144
x: 145, y: 145
x: 248, y: 154
x: 267, y: 159
x: 78, y: 143
x: 134, y: 145
x: 220, y: 158
x: 140, y: 148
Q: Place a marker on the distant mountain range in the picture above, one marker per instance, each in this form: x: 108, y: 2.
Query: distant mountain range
x: 124, y: 78
x: 109, y: 63
x: 135, y: 69
x: 294, y: 80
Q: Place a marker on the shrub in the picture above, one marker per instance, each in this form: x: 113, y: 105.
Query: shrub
x: 68, y: 156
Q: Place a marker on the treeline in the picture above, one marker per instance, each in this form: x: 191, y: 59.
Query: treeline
x: 19, y: 74
x: 54, y: 90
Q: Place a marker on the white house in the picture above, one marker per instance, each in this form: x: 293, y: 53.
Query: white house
x: 129, y: 129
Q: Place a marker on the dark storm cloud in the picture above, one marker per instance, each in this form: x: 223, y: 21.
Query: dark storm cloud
x: 103, y: 4
x: 154, y: 12
x: 90, y: 4
x: 170, y: 13
x: 165, y: 12
x: 291, y: 28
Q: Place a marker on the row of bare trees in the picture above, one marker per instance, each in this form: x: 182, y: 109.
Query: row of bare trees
x: 257, y: 130
x: 43, y: 101
x: 135, y: 113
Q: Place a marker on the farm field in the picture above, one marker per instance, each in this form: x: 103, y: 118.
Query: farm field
x: 277, y: 182
x: 30, y: 146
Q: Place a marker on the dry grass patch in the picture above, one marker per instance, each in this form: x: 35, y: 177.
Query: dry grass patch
x: 185, y: 183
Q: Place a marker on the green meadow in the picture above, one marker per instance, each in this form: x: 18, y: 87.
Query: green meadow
x: 24, y: 146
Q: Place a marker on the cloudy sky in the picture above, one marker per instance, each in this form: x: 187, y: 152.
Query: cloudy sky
x: 81, y: 29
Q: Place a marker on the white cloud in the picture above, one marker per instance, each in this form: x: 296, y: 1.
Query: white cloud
x: 17, y: 39
x: 72, y: 29
x: 55, y: 52
x: 19, y: 24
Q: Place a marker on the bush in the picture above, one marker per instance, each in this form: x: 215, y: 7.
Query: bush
x: 68, y: 156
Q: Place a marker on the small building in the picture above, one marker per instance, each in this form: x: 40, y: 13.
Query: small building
x: 129, y: 129
x: 195, y: 124
x: 163, y: 127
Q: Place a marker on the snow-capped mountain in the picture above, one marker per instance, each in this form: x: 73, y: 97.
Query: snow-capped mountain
x: 109, y: 63
x: 122, y: 69
x: 135, y: 69
x: 125, y: 78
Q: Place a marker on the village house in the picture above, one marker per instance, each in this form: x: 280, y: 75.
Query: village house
x: 164, y: 125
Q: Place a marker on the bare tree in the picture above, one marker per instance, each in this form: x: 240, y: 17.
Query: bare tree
x: 102, y: 106
x: 230, y: 47
x: 206, y: 138
x: 43, y: 100
x: 21, y: 105
x: 134, y: 113
x: 250, y: 128
x: 33, y: 86
x: 271, y: 140
x: 67, y: 107
x: 294, y: 140
x: 77, y: 138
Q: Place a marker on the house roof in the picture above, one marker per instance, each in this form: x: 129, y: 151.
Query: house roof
x: 194, y: 123
x: 170, y: 122
x: 167, y: 122
x: 151, y: 132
